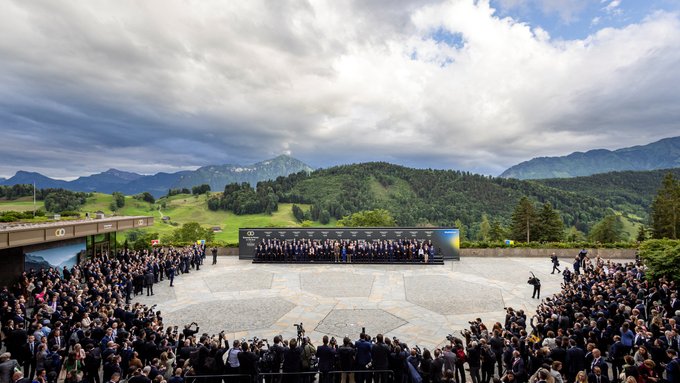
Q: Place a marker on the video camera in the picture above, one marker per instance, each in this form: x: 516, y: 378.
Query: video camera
x: 300, y: 331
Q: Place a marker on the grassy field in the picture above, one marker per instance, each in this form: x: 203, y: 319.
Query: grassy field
x: 20, y: 204
x: 185, y: 208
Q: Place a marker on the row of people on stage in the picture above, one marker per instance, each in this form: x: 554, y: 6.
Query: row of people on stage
x: 345, y: 251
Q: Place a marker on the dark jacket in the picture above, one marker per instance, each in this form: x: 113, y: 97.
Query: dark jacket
x: 380, y: 354
x: 292, y: 359
x: 326, y: 356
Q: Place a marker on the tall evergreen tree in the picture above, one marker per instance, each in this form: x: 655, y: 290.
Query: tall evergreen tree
x: 550, y: 227
x: 523, y: 220
x: 642, y: 233
x: 462, y: 230
x: 666, y: 209
x: 575, y: 235
x: 484, y: 232
x: 496, y: 233
x: 608, y: 230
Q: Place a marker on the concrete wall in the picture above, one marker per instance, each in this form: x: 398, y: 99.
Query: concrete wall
x: 561, y: 253
x: 512, y: 252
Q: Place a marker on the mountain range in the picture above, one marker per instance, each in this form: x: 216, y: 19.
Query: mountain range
x: 217, y: 176
x: 662, y: 154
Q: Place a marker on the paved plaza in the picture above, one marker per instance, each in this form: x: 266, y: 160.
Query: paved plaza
x: 418, y: 304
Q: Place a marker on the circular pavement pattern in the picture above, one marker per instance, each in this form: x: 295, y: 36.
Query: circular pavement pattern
x: 231, y: 316
x: 341, y: 323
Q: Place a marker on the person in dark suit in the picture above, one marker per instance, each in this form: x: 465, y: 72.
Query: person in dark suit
x: 148, y: 281
x: 29, y: 351
x: 363, y: 357
x: 57, y: 340
x: 555, y: 262
x: 214, y: 255
x: 177, y: 377
x: 247, y: 361
x: 346, y: 358
x: 292, y: 361
x: 518, y: 367
x: 326, y: 355
x: 380, y: 355
x: 575, y: 360
x: 597, y: 376
x: 598, y: 361
x: 171, y: 274
x: 437, y: 367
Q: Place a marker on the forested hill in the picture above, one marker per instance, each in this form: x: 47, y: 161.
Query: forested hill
x: 662, y: 154
x: 426, y: 196
x: 631, y: 192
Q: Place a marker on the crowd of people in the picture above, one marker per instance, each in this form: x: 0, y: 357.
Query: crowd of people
x: 78, y: 324
x: 345, y: 251
x: 608, y: 324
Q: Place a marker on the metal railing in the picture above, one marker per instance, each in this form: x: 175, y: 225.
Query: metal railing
x: 301, y: 376
x: 324, y: 377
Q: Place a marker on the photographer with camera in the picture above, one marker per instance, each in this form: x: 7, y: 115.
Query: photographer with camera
x: 534, y: 281
x: 188, y: 332
x: 230, y: 358
x: 555, y: 262
x: 300, y: 332
x: 308, y: 360
x: 488, y: 359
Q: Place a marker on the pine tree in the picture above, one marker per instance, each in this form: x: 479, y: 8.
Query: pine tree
x: 462, y: 230
x: 642, y: 234
x: 484, y: 229
x: 550, y: 227
x: 575, y: 235
x: 608, y: 230
x: 666, y: 209
x: 497, y: 233
x: 523, y: 220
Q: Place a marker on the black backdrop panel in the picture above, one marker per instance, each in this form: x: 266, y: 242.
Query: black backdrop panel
x: 445, y: 240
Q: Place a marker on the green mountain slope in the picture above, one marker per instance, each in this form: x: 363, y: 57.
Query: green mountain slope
x: 428, y: 197
x: 663, y: 154
x: 630, y: 192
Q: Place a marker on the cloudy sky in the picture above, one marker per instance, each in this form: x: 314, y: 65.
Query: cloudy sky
x: 164, y: 85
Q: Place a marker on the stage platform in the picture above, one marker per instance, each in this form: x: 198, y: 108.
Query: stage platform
x: 436, y: 260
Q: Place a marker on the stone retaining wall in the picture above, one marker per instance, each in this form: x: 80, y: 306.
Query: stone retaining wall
x: 561, y: 253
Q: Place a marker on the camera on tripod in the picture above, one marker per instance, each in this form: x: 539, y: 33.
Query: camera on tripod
x: 300, y: 330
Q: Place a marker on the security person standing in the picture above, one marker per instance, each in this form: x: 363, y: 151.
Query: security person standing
x: 214, y: 254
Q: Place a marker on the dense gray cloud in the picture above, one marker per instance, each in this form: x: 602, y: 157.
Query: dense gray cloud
x: 169, y: 85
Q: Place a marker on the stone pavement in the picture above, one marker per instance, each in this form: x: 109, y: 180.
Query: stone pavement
x: 418, y: 304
